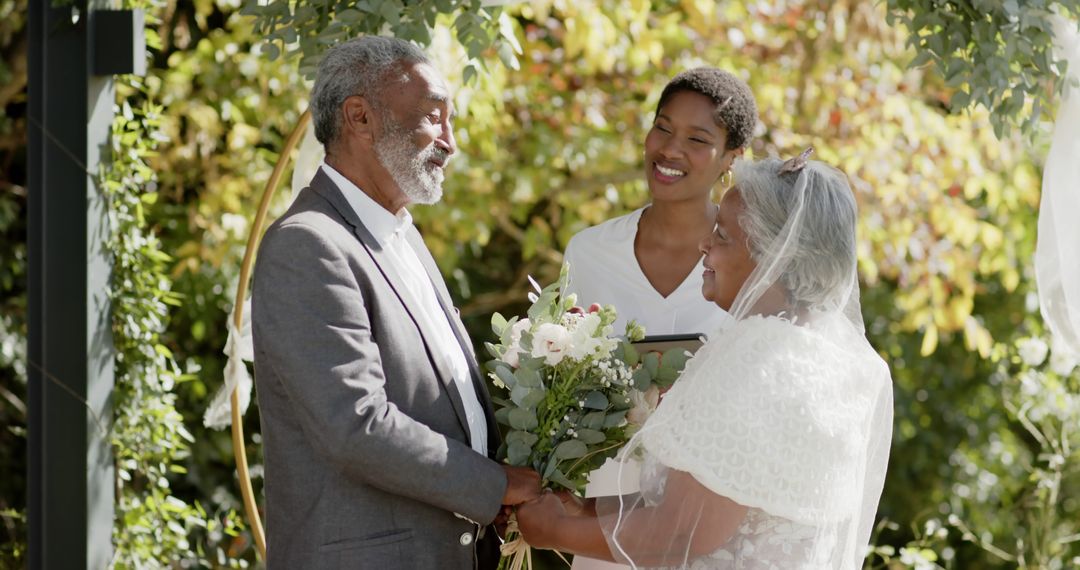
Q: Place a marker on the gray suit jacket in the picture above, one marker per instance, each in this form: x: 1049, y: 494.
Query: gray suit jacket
x: 364, y: 433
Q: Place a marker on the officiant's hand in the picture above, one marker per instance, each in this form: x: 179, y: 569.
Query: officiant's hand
x: 538, y: 520
x: 522, y: 484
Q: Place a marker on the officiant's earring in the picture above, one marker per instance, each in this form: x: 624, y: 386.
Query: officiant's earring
x: 727, y: 180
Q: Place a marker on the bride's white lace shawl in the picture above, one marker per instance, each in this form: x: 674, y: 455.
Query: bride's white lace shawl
x: 793, y: 422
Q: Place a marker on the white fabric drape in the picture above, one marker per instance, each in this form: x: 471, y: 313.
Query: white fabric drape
x: 1057, y: 253
x: 239, y: 349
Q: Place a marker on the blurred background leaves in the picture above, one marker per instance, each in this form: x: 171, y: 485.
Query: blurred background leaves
x: 552, y: 143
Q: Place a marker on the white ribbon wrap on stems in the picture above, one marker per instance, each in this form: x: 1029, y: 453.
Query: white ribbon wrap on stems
x: 238, y: 349
x: 1057, y: 253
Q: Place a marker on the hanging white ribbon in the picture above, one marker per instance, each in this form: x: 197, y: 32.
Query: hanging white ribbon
x: 1057, y: 253
x: 309, y: 155
x: 239, y: 349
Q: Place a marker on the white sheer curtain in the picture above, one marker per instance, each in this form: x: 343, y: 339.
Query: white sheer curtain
x: 1057, y: 254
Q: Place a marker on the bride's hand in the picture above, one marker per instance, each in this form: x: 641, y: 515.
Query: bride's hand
x: 574, y: 505
x: 538, y: 520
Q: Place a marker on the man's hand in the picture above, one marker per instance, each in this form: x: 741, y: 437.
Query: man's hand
x: 522, y: 484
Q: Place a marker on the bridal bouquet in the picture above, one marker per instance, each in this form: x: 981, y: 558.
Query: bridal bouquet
x: 572, y: 386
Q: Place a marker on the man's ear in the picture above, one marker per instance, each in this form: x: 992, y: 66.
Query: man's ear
x: 358, y: 118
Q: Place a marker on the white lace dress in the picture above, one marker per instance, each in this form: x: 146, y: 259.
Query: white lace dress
x: 789, y: 421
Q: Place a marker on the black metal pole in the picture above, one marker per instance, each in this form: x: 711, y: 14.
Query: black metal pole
x: 70, y: 352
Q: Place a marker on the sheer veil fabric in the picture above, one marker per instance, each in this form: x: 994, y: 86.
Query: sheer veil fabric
x: 1058, y: 247
x: 771, y: 450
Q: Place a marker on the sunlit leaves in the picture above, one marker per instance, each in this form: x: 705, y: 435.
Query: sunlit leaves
x: 996, y: 55
x: 304, y: 30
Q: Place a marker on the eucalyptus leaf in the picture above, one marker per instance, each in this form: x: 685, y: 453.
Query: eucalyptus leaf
x: 593, y: 420
x: 517, y: 453
x: 519, y: 393
x: 502, y: 416
x: 590, y: 436
x: 523, y: 419
x: 571, y: 449
x: 630, y: 355
x: 675, y: 358
x: 596, y: 400
x: 542, y: 307
x: 557, y: 476
x: 507, y: 377
x: 641, y: 379
x: 615, y: 419
x: 527, y: 376
x: 498, y: 324
x: 522, y: 437
x: 533, y: 399
x: 652, y: 363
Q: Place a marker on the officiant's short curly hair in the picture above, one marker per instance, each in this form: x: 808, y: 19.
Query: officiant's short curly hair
x: 736, y: 110
x: 363, y: 66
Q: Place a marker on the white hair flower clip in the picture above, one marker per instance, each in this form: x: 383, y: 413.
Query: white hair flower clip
x: 796, y: 164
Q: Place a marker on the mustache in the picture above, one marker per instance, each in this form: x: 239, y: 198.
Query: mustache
x: 440, y: 155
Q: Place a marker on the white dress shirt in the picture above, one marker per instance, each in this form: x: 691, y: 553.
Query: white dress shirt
x: 389, y: 230
x: 605, y: 270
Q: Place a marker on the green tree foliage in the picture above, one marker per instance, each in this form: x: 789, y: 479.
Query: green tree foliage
x: 997, y: 55
x: 554, y: 145
x: 305, y: 29
x: 13, y: 204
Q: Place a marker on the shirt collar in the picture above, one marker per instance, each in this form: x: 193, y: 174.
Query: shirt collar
x: 380, y: 222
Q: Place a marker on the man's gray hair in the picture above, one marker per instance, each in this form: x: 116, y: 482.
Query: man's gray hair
x: 820, y: 263
x: 363, y: 66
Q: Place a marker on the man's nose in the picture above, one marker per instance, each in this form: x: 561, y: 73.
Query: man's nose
x: 449, y: 143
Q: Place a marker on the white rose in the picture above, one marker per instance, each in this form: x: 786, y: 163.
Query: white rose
x: 551, y: 342
x: 582, y: 342
x: 1032, y: 351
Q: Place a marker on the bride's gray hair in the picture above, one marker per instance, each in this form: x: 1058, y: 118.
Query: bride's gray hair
x: 362, y: 66
x: 821, y: 265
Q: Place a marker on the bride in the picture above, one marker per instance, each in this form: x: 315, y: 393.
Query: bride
x: 770, y: 452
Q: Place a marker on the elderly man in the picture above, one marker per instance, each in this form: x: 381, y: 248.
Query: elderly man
x: 377, y: 427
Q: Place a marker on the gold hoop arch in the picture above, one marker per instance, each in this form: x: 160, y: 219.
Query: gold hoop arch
x: 251, y: 510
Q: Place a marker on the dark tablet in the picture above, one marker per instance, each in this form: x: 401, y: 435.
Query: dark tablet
x: 665, y: 342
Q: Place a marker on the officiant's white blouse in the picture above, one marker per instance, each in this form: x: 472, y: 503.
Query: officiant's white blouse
x: 604, y: 269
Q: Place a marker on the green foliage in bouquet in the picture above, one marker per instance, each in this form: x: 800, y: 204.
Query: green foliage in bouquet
x: 576, y: 393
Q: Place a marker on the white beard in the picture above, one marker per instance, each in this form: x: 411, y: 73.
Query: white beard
x: 412, y: 170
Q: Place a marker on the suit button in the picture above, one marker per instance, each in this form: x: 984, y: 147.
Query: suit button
x: 466, y: 538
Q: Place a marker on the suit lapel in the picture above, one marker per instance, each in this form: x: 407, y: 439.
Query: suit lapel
x: 325, y: 187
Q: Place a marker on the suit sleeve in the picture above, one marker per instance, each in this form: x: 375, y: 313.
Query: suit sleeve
x: 312, y: 328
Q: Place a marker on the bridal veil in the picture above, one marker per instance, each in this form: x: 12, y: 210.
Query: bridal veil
x: 771, y: 450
